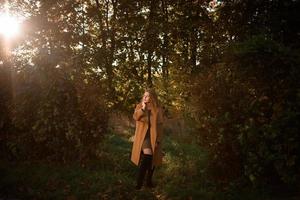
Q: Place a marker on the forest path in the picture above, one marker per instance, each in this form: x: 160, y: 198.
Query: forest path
x: 182, y: 175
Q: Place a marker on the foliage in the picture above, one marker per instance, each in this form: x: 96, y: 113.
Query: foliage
x: 247, y: 108
x: 56, y: 105
x: 52, y: 119
x: 234, y: 64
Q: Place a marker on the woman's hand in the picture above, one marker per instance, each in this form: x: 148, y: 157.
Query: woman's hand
x: 144, y: 105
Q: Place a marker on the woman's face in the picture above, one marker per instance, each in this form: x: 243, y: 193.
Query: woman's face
x: 146, y: 97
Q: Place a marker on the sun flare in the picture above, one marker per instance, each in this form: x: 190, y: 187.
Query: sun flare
x: 9, y: 25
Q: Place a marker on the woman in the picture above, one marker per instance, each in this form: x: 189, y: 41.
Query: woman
x: 146, y: 149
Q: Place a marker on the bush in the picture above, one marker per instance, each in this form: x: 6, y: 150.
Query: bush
x: 247, y: 109
x: 53, y: 118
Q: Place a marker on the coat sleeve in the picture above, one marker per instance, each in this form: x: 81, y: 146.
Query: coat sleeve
x: 139, y: 114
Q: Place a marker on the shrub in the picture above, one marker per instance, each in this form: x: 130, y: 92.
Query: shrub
x: 247, y: 109
x: 53, y: 118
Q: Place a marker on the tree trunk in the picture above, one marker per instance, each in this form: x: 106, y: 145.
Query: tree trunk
x: 165, y: 51
x: 150, y: 43
x: 107, y: 33
x: 193, y: 50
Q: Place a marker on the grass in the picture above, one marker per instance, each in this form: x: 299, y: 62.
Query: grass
x: 182, y: 176
x: 112, y: 176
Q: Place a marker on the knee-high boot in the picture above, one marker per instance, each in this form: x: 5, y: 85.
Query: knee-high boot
x: 149, y: 177
x: 146, y: 161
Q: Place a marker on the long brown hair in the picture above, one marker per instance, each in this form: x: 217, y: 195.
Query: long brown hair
x: 153, y: 97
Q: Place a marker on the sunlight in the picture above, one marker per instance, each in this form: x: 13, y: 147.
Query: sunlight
x: 9, y: 25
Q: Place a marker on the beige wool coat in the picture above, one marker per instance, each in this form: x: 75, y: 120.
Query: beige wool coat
x: 156, y: 131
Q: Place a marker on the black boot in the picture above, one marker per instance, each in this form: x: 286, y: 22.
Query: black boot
x: 149, y: 177
x: 146, y: 161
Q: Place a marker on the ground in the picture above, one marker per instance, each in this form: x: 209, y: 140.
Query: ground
x: 112, y: 175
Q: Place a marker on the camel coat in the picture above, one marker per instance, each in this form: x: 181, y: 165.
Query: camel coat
x: 156, y: 131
